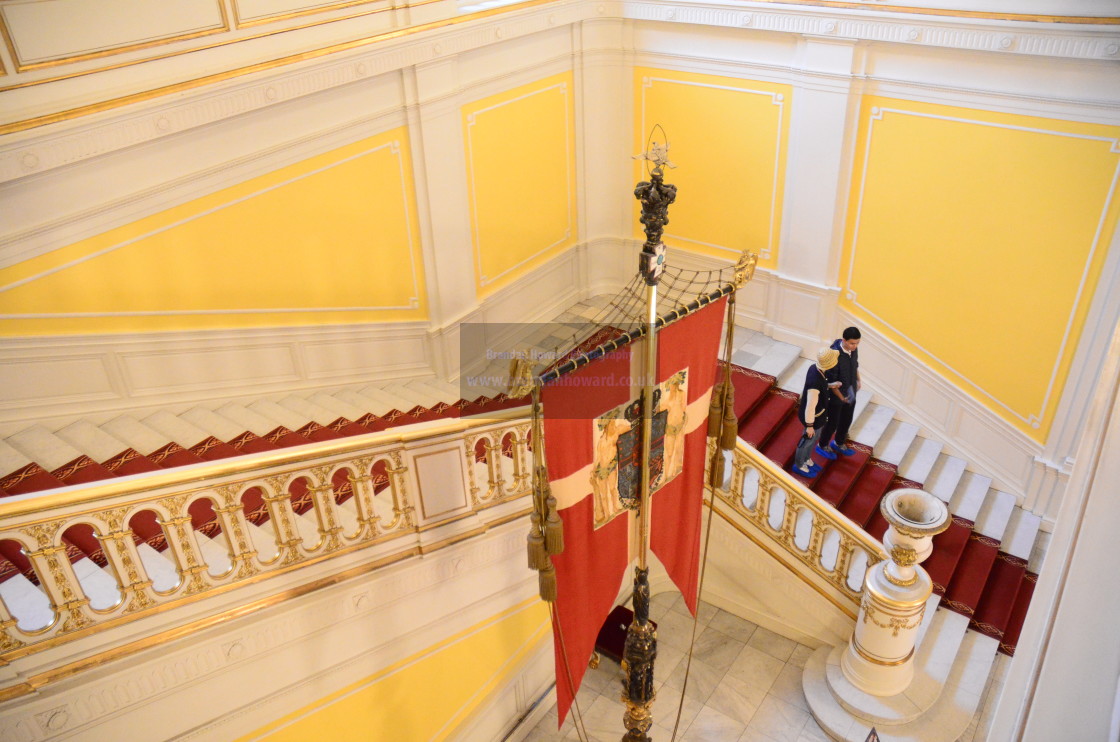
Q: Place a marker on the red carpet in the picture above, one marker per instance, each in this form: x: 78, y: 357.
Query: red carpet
x: 971, y: 574
x: 839, y: 476
x: 947, y: 549
x: 1018, y: 614
x: 863, y: 498
x: 766, y: 416
x: 993, y: 612
x: 81, y: 470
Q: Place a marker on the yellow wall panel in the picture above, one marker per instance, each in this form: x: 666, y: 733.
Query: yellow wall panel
x: 975, y: 241
x: 521, y: 176
x: 312, y: 243
x: 728, y: 139
x: 426, y: 696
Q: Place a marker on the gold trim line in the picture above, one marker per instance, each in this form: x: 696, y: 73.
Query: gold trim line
x: 180, y: 87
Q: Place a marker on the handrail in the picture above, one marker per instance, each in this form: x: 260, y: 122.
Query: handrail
x: 266, y: 515
x: 818, y: 542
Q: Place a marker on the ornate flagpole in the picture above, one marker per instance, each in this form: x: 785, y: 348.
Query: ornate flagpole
x: 641, y: 638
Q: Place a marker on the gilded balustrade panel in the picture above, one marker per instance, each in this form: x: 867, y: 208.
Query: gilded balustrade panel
x: 98, y: 556
x: 797, y: 526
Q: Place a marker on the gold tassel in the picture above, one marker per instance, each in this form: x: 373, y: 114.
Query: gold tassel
x: 714, y: 408
x: 547, y: 583
x: 538, y: 557
x: 717, y: 469
x: 553, y: 529
x: 730, y: 423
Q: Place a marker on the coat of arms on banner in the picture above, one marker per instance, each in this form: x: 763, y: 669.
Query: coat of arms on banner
x: 615, y: 473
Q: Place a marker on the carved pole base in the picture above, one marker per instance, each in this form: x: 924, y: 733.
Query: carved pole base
x: 637, y: 664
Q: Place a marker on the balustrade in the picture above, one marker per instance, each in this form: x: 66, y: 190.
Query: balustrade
x: 798, y: 527
x: 173, y: 537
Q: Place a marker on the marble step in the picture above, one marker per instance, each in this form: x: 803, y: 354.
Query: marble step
x: 1021, y: 533
x: 971, y: 493
x: 278, y: 414
x: 91, y: 440
x: 177, y: 429
x: 247, y: 419
x: 777, y: 359
x: 365, y: 402
x: 307, y: 410
x: 27, y: 603
x: 919, y: 459
x: 793, y: 378
x: 895, y: 441
x: 994, y: 515
x: 44, y: 448
x: 944, y: 477
x: 339, y: 407
x: 391, y: 398
x: 136, y: 434
x: 864, y: 397
x: 945, y: 719
x: 422, y: 394
x: 869, y: 427
x: 219, y: 426
x: 934, y: 657
x: 11, y: 459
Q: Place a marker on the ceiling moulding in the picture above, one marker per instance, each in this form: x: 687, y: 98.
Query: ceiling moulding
x: 54, y: 139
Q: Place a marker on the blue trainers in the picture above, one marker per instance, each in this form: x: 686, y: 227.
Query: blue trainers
x: 814, y: 470
x: 844, y: 450
x: 826, y: 453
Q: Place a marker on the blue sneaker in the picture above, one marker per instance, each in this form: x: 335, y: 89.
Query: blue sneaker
x: 844, y: 450
x: 814, y: 470
x: 826, y: 453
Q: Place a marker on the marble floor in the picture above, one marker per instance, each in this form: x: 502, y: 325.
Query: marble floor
x: 744, y: 684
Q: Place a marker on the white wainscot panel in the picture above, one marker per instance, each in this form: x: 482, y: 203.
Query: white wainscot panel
x: 52, y: 379
x: 888, y: 372
x: 178, y: 369
x: 799, y: 310
x: 440, y: 486
x: 930, y: 402
x: 999, y: 450
x: 47, y: 30
x: 336, y: 358
x: 755, y: 296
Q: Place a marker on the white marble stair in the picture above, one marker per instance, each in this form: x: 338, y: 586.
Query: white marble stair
x: 995, y: 514
x: 247, y: 419
x: 91, y: 440
x: 136, y: 434
x: 970, y: 495
x: 219, y: 426
x: 919, y: 459
x: 869, y: 427
x: 44, y: 447
x: 897, y: 439
x: 177, y: 429
x: 951, y: 667
x: 944, y: 477
x: 1021, y: 533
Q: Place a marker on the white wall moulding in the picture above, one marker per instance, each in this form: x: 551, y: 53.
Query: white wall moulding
x: 68, y: 377
x: 254, y: 12
x: 41, y: 34
x: 946, y: 413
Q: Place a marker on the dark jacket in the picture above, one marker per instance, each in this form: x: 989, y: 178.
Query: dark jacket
x: 814, y: 398
x: 846, y: 370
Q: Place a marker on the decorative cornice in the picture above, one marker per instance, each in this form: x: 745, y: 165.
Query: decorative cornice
x: 290, y: 78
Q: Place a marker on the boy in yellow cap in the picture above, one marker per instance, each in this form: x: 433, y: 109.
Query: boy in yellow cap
x: 812, y: 411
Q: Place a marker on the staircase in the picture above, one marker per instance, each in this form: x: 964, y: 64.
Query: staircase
x: 984, y: 567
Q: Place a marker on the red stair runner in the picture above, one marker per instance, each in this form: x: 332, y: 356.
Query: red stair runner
x: 766, y: 416
x: 1018, y: 614
x: 971, y: 574
x: 993, y: 612
x: 863, y: 498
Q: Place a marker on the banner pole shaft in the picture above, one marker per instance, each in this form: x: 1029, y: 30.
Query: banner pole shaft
x: 649, y: 383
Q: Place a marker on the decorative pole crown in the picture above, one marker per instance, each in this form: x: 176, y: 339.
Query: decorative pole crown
x: 656, y: 195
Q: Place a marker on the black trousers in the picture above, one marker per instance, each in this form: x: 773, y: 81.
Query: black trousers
x: 839, y: 420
